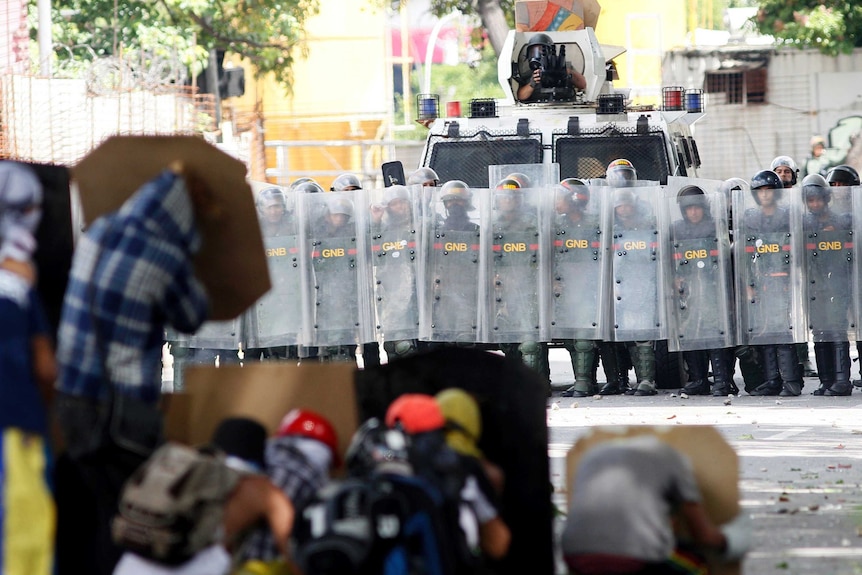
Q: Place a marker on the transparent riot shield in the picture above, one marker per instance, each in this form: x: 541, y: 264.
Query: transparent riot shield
x: 699, y: 278
x: 637, y: 246
x: 452, y: 236
x: 337, y: 278
x: 527, y: 175
x: 514, y: 252
x: 768, y: 267
x: 827, y: 229
x: 276, y: 319
x: 393, y: 231
x: 580, y: 263
x: 218, y: 335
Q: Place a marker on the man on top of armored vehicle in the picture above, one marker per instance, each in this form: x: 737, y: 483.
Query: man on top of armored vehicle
x: 544, y: 74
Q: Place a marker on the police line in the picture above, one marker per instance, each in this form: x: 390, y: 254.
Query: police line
x: 688, y: 262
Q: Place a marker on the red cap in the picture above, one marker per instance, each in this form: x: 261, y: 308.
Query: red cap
x: 416, y: 412
x: 307, y: 423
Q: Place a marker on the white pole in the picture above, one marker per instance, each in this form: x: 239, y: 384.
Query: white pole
x: 429, y: 49
x: 46, y: 49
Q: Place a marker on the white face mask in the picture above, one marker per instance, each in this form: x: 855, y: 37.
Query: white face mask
x: 17, y: 243
x: 20, y: 197
x: 317, y: 453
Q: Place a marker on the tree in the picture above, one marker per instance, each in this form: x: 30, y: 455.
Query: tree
x: 492, y: 13
x: 833, y: 27
x: 265, y: 31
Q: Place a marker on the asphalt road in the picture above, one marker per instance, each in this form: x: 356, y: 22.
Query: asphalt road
x: 800, y: 464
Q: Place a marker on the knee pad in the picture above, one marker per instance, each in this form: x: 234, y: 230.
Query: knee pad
x: 584, y: 345
x: 529, y: 348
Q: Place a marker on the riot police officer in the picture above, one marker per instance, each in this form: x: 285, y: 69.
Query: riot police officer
x: 847, y: 176
x: 635, y: 274
x: 425, y: 177
x: 748, y: 355
x: 452, y: 242
x: 842, y: 175
x: 345, y: 183
x: 769, y: 287
x: 829, y: 286
x: 788, y: 172
x: 515, y: 273
x: 786, y: 169
x: 544, y: 74
x: 394, y: 250
x: 335, y: 280
x: 277, y: 314
x: 579, y: 266
x: 697, y: 284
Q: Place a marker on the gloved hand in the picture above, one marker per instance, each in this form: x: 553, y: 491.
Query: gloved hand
x: 737, y: 533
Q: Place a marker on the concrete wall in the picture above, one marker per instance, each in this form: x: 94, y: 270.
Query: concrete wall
x: 807, y: 93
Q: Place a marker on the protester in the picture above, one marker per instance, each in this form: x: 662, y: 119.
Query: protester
x: 299, y: 460
x: 27, y: 373
x: 132, y: 274
x: 254, y: 498
x: 620, y: 521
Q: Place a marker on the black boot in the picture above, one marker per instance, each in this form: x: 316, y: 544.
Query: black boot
x: 697, y: 363
x: 722, y: 361
x: 751, y: 366
x: 790, y: 370
x: 771, y: 376
x: 841, y: 354
x: 825, y: 358
x: 802, y: 354
x: 611, y: 367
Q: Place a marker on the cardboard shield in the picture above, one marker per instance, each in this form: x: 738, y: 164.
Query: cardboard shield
x: 231, y: 262
x: 715, y: 465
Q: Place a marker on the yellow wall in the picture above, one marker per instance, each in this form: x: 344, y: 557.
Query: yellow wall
x: 646, y: 30
x: 341, y: 90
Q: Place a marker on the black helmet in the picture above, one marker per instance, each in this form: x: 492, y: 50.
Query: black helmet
x: 539, y: 45
x: 341, y: 206
x: 422, y: 176
x: 309, y: 187
x: 269, y: 196
x: 346, y: 182
x: 299, y: 181
x: 788, y: 162
x: 374, y: 444
x: 691, y: 196
x: 457, y: 190
x: 766, y: 179
x: 816, y: 185
x: 396, y: 192
x: 842, y: 175
x: 574, y: 189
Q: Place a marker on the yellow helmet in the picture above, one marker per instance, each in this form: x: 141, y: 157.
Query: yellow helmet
x: 463, y: 420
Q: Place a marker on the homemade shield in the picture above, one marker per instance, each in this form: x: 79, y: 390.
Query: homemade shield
x: 231, y: 261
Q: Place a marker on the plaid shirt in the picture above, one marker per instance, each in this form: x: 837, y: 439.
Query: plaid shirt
x: 131, y: 274
x: 289, y: 469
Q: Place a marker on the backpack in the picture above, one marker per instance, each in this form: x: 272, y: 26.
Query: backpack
x: 172, y: 506
x: 383, y: 524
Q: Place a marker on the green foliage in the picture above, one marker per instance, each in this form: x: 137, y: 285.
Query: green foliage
x: 264, y: 31
x: 441, y: 8
x: 465, y: 82
x: 833, y: 27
